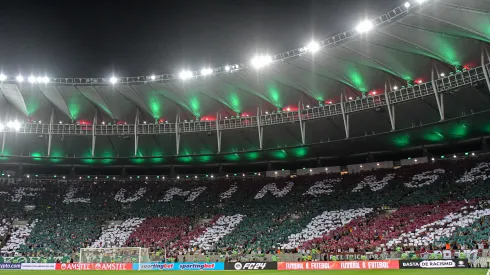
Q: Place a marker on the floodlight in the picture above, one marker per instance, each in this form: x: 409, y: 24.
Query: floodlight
x: 19, y: 78
x: 350, y: 97
x: 39, y: 79
x: 113, y: 80
x: 153, y: 77
x: 313, y: 46
x: 31, y: 79
x: 206, y: 71
x: 421, y: 1
x: 407, y: 5
x: 227, y: 68
x: 261, y: 61
x: 395, y: 88
x: 61, y: 122
x: 364, y: 26
x: 3, y: 77
x: 443, y: 75
x: 1, y: 127
x: 14, y: 125
x: 185, y: 75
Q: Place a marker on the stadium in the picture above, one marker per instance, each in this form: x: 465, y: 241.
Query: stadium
x: 364, y: 152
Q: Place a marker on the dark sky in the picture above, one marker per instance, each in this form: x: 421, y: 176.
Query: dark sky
x: 130, y: 38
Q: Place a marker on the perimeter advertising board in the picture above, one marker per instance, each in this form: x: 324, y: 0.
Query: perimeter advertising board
x: 334, y: 265
x: 433, y: 264
x: 38, y: 266
x: 251, y: 266
x: 10, y: 266
x: 179, y: 266
x: 95, y: 266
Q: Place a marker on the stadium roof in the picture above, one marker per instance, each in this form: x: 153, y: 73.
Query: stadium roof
x: 405, y: 46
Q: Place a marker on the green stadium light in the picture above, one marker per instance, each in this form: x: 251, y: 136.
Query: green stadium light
x: 158, y: 177
x: 442, y: 157
x: 466, y: 154
x: 138, y: 177
x: 234, y: 175
x: 409, y: 158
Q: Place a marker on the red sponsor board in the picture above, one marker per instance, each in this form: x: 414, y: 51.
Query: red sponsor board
x: 95, y: 266
x: 341, y: 265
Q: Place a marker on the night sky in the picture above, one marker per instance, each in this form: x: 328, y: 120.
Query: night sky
x: 131, y: 38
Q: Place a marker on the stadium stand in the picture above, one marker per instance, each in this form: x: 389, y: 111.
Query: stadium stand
x: 416, y: 207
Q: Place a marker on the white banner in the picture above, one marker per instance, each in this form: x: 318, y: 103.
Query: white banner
x: 38, y: 266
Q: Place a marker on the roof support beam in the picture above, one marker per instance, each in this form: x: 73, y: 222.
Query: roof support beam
x: 345, y: 116
x: 260, y: 129
x: 50, y: 131
x: 4, y: 136
x: 136, y: 137
x: 391, y: 109
x: 177, y: 134
x: 218, y: 132
x: 94, y: 124
x: 484, y: 67
x: 301, y: 124
x: 440, y: 104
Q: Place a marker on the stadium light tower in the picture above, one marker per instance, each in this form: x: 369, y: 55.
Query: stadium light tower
x: 313, y: 47
x: 19, y: 78
x: 261, y: 61
x: 185, y: 75
x: 3, y: 77
x: 365, y: 26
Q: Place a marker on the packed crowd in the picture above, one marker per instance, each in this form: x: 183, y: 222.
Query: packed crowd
x: 425, y: 206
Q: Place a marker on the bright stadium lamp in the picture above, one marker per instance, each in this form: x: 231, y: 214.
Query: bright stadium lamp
x: 113, y: 80
x: 31, y: 79
x: 19, y: 78
x: 313, y: 47
x: 39, y: 79
x: 365, y: 26
x: 227, y: 68
x: 14, y: 125
x: 395, y: 88
x: 261, y: 61
x: 3, y: 77
x: 153, y: 77
x: 206, y: 71
x: 407, y: 5
x: 185, y: 75
x: 421, y: 1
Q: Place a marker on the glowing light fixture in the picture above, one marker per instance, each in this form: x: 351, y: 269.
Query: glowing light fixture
x: 206, y: 71
x: 365, y: 26
x: 31, y: 79
x: 185, y: 75
x: 407, y: 5
x: 313, y: 47
x: 3, y: 77
x: 19, y: 78
x: 113, y: 80
x: 261, y: 61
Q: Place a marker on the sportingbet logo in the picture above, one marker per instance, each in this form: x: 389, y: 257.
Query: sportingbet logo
x: 248, y: 266
x: 157, y: 266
